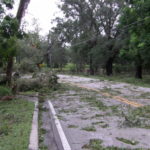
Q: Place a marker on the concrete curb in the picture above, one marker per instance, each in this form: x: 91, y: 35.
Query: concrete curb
x: 59, y: 134
x: 33, y: 143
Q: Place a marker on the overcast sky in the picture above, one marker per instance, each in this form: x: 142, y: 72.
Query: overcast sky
x: 42, y: 10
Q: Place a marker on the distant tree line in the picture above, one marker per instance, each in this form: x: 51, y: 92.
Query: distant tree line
x: 93, y: 36
x: 103, y: 33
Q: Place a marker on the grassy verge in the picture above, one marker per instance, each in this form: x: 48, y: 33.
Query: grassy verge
x: 145, y: 82
x: 15, y: 124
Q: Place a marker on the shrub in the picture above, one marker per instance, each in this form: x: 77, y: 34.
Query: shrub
x: 70, y: 67
x: 4, y: 91
x: 27, y: 66
x: 2, y: 79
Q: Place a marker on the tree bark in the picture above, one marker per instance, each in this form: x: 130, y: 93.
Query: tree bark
x: 49, y: 59
x: 9, y: 70
x: 109, y: 67
x: 21, y: 10
x: 138, y: 73
x: 91, y: 66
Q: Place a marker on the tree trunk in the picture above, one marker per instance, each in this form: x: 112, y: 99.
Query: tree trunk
x: 9, y: 70
x: 138, y: 73
x: 109, y: 67
x: 49, y: 59
x: 21, y: 10
x: 96, y: 69
x: 91, y: 70
x: 91, y: 66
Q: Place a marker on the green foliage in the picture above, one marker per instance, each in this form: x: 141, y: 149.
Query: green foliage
x: 5, y: 3
x: 52, y: 80
x: 70, y: 67
x: 96, y: 144
x: 27, y: 66
x: 127, y: 141
x: 32, y: 44
x: 4, y: 91
x: 39, y: 83
x: 9, y: 35
x: 89, y: 129
x: 29, y: 84
x: 139, y: 33
x: 96, y: 103
x: 138, y: 117
x: 15, y: 124
x: 8, y: 48
x: 89, y: 20
x: 8, y: 3
x: 9, y: 27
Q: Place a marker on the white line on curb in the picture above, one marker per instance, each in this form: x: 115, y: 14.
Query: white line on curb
x: 33, y: 143
x: 64, y: 142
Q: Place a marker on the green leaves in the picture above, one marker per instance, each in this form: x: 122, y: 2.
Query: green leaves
x: 8, y: 37
x: 137, y: 14
x: 9, y: 27
x: 5, y: 3
x: 8, y: 47
x: 8, y: 3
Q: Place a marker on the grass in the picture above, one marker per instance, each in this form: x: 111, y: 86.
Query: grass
x: 142, y: 112
x: 29, y: 93
x: 84, y: 118
x: 98, y: 122
x: 138, y: 117
x: 65, y: 87
x: 94, y: 102
x: 126, y: 78
x: 97, y: 116
x: 127, y: 141
x: 42, y: 131
x: 104, y: 126
x: 100, y: 105
x: 61, y: 118
x: 5, y: 91
x: 114, y: 109
x: 111, y: 91
x: 89, y: 129
x: 145, y: 82
x: 144, y: 95
x: 15, y: 124
x: 96, y: 144
x: 68, y: 111
x: 72, y: 126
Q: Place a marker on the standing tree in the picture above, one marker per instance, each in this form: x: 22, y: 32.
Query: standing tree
x: 21, y: 11
x: 55, y: 56
x: 137, y: 15
x: 90, y: 20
